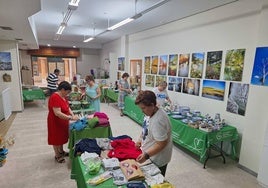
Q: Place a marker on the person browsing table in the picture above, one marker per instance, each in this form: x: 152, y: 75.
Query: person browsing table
x: 59, y: 115
x: 124, y: 89
x: 93, y: 93
x: 161, y: 94
x: 155, y: 140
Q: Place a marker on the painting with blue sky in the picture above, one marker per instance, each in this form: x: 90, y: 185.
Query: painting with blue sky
x: 5, y: 61
x: 260, y: 70
x: 213, y: 89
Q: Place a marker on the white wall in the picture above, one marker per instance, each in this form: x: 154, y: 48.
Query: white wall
x: 15, y: 84
x: 89, y: 59
x: 234, y: 26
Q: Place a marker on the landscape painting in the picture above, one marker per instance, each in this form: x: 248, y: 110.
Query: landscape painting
x: 150, y: 80
x: 197, y: 64
x: 191, y: 86
x: 154, y: 67
x: 238, y: 98
x: 171, y: 83
x: 260, y: 70
x: 213, y: 89
x: 159, y: 79
x: 147, y: 64
x: 184, y: 63
x: 5, y: 61
x: 214, y: 62
x: 172, y: 67
x: 163, y: 60
x: 234, y: 64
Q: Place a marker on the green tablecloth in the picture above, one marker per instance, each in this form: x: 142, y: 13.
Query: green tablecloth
x: 132, y: 110
x: 97, y: 132
x: 195, y: 140
x: 82, y: 177
x: 198, y: 141
x: 111, y: 95
x: 33, y: 94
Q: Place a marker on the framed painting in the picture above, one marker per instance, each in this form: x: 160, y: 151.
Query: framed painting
x: 234, y: 64
x: 237, y: 98
x: 172, y: 66
x: 163, y: 60
x: 213, y: 89
x: 260, y: 69
x: 150, y: 80
x: 5, y: 61
x: 147, y: 64
x: 184, y: 63
x: 121, y: 63
x: 197, y: 64
x: 191, y: 86
x: 214, y: 63
x: 154, y: 67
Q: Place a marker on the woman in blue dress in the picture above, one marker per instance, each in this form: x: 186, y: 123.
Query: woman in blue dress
x: 93, y: 93
x: 124, y: 89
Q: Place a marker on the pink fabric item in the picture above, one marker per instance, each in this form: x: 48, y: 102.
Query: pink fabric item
x: 103, y: 121
x: 101, y: 115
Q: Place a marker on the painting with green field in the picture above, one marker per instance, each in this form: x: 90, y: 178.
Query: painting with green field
x: 213, y: 89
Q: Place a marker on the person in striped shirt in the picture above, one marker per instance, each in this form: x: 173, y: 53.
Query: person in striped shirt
x: 52, y: 81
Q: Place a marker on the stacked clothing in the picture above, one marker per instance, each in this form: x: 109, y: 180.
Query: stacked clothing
x: 98, y: 119
x: 3, y: 155
x: 124, y: 149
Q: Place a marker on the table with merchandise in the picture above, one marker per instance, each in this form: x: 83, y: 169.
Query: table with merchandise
x: 201, y: 142
x: 102, y: 170
x: 32, y: 93
x: 75, y: 135
x: 197, y: 141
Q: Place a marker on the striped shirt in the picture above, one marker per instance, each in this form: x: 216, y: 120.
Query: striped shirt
x: 52, y: 81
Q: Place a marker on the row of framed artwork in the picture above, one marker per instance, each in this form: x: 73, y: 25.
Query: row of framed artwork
x: 192, y: 65
x: 212, y: 89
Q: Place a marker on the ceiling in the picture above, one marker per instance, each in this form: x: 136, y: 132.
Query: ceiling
x: 36, y: 22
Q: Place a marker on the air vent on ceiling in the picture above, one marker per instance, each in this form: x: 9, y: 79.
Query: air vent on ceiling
x: 18, y: 39
x: 6, y: 28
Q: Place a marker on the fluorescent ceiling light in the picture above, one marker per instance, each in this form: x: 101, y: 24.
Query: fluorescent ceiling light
x: 74, y: 2
x: 120, y: 24
x: 89, y: 39
x: 61, y: 28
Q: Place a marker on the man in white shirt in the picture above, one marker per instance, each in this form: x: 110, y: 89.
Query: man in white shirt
x: 161, y: 94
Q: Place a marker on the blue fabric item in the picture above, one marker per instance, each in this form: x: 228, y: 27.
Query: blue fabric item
x: 87, y: 144
x: 79, y: 124
x: 3, y: 151
x: 119, y: 137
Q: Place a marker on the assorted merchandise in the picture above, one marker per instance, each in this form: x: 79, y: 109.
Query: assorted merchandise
x: 194, y: 118
x: 131, y: 170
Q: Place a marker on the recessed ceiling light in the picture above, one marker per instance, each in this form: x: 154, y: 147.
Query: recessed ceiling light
x: 74, y: 46
x: 48, y: 45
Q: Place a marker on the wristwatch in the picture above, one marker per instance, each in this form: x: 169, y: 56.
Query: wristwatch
x: 146, y: 155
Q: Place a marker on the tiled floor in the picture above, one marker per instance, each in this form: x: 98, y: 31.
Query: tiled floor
x: 30, y: 162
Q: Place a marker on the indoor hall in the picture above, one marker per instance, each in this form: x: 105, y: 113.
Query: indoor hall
x: 30, y: 161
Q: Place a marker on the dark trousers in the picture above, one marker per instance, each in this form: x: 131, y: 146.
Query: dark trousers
x: 163, y: 169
